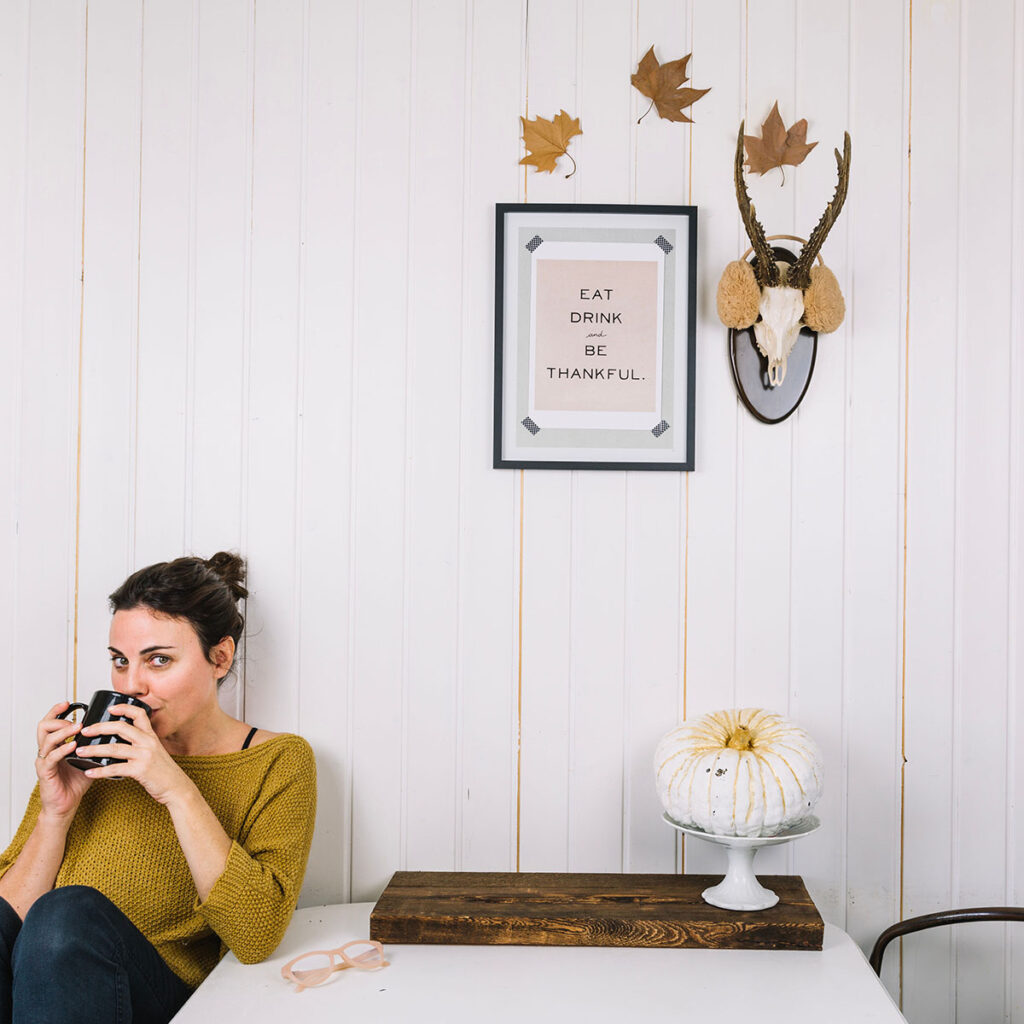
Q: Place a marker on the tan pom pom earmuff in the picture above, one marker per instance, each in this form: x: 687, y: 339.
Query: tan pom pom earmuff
x: 738, y: 295
x: 824, y: 307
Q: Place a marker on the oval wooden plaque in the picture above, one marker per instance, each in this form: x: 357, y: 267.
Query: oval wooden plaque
x: 750, y: 368
x: 750, y: 371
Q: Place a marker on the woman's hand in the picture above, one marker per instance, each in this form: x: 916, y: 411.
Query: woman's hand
x: 61, y: 786
x: 144, y: 756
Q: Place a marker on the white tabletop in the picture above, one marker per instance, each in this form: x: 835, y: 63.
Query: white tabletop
x: 537, y: 983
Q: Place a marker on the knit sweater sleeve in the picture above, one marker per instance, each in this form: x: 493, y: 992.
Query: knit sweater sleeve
x: 251, y: 903
x: 28, y: 823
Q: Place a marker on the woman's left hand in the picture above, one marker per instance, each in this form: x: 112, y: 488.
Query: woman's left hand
x: 144, y: 756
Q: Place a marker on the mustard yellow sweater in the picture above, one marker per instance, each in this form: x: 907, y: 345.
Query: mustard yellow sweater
x: 122, y: 843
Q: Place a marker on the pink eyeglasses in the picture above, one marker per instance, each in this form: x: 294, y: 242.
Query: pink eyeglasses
x: 310, y: 969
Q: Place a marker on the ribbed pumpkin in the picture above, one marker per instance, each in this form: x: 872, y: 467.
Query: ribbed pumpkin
x: 742, y: 772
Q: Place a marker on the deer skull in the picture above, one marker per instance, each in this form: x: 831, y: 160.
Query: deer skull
x: 775, y: 331
x: 776, y: 298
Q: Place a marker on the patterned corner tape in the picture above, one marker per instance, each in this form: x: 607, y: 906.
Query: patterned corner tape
x: 659, y: 429
x: 665, y: 244
x: 534, y: 243
x: 531, y: 426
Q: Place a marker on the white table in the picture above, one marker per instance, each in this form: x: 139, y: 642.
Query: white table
x: 542, y: 983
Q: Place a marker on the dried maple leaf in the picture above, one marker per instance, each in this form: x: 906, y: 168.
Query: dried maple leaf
x: 777, y: 146
x: 662, y: 84
x: 547, y: 140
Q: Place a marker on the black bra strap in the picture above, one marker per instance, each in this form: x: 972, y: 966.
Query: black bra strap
x: 248, y: 739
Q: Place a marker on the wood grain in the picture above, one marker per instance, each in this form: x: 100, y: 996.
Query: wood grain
x: 556, y: 909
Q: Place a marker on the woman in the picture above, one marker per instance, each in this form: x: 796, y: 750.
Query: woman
x: 118, y: 897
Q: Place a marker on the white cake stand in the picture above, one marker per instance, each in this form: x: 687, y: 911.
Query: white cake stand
x: 740, y: 889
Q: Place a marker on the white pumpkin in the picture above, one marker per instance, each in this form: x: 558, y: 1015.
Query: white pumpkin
x: 742, y: 772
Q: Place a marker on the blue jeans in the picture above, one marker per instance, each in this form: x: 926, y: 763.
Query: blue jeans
x: 76, y: 959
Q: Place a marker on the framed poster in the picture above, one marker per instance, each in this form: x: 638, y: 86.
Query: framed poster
x: 594, y: 323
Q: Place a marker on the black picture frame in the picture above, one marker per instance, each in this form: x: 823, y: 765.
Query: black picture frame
x: 623, y: 403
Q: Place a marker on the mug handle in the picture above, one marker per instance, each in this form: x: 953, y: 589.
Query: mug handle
x: 73, y: 707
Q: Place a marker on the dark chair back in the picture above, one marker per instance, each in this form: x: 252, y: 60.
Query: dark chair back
x: 916, y: 924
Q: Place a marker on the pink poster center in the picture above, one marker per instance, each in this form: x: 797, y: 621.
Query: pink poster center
x: 596, y: 335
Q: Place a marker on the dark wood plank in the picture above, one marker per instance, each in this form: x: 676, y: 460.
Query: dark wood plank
x: 554, y: 909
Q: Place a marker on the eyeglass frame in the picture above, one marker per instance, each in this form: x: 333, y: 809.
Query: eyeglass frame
x: 376, y: 949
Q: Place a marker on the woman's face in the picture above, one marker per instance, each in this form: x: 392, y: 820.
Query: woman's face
x: 159, y: 659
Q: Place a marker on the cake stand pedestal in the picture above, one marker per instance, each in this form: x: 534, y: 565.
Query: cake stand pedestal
x: 740, y: 889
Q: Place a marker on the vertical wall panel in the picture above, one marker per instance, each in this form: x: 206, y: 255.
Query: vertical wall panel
x: 931, y: 428
x: 50, y: 302
x: 437, y: 170
x: 548, y: 678
x: 14, y: 56
x: 109, y: 323
x: 819, y: 436
x: 488, y: 519
x: 596, y: 755
x: 764, y: 576
x: 221, y: 318
x: 982, y: 527
x: 547, y: 673
x: 871, y: 644
x: 600, y: 701
x: 378, y: 584
x: 653, y: 656
x: 765, y: 491
x: 1015, y: 872
x: 326, y: 419
x: 274, y: 365
x: 719, y: 61
x: 223, y: 201
x: 165, y: 225
x: 655, y: 526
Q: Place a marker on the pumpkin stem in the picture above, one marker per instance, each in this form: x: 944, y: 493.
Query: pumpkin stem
x: 740, y: 739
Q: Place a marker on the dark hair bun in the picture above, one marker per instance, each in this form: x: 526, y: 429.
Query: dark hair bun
x: 203, y: 591
x: 231, y: 569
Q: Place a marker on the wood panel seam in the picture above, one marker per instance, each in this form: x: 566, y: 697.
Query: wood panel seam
x: 353, y: 550
x: 188, y: 496
x: 906, y: 497
x: 1016, y: 482
x: 459, y: 695
x: 525, y: 72
x: 246, y: 374
x: 16, y: 414
x: 298, y: 491
x: 81, y: 350
x: 685, y: 488
x: 409, y: 354
x: 956, y: 741
x: 136, y: 322
x: 519, y: 676
x: 844, y: 728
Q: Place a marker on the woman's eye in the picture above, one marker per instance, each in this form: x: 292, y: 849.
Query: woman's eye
x: 160, y: 660
x: 119, y: 662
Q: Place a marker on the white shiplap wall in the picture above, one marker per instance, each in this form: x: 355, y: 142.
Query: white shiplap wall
x: 246, y: 288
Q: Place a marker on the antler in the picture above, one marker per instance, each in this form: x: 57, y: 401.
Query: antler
x: 766, y: 272
x: 800, y: 271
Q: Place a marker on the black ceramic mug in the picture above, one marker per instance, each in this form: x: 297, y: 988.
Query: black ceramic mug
x: 97, y: 711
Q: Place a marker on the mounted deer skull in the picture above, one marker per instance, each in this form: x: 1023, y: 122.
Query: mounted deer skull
x: 778, y: 298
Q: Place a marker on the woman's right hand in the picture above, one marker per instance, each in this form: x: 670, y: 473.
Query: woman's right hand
x: 61, y: 786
